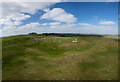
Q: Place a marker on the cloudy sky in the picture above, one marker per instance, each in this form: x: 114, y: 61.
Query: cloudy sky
x: 60, y: 17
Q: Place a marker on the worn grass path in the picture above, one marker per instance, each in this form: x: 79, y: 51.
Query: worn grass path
x: 91, y: 58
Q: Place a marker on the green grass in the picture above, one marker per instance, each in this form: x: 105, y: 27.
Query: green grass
x: 91, y: 58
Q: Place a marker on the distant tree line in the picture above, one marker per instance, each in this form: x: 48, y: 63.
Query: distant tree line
x: 65, y: 34
x: 70, y: 34
x: 53, y: 34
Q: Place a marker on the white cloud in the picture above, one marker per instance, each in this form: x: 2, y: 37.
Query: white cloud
x: 14, y: 20
x: 35, y: 27
x: 85, y: 24
x: 60, y: 0
x: 33, y: 0
x: 8, y: 22
x: 7, y: 31
x: 31, y: 24
x: 0, y: 10
x: 51, y: 23
x: 98, y: 30
x: 107, y: 22
x: 20, y: 17
x: 58, y: 14
x: 11, y: 11
x: 112, y: 0
x: 64, y: 28
x: 54, y: 23
x: 44, y: 24
x: 93, y: 26
x: 47, y: 10
x: 13, y: 8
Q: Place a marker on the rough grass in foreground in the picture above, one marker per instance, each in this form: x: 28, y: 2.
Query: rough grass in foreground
x: 92, y: 58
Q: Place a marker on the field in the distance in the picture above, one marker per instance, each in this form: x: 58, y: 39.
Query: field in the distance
x: 91, y: 58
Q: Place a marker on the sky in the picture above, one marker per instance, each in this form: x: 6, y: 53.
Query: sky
x: 59, y: 17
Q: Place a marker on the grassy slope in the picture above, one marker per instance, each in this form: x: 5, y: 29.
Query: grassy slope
x: 92, y: 58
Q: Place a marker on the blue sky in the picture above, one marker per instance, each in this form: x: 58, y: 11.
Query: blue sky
x: 65, y: 17
x: 90, y: 12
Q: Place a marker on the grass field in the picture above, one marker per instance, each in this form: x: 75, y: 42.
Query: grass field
x: 91, y: 58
